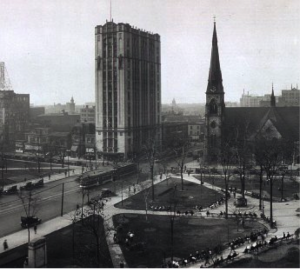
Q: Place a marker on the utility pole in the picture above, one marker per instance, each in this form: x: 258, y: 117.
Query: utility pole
x: 62, y: 199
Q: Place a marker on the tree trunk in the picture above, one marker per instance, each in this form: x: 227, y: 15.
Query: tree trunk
x: 260, y: 187
x: 226, y: 201
x: 181, y: 175
x: 271, y: 201
x: 152, y: 181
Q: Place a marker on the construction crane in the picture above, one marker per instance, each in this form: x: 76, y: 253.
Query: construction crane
x: 5, y: 84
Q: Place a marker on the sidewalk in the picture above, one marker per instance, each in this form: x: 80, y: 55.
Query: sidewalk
x: 284, y: 213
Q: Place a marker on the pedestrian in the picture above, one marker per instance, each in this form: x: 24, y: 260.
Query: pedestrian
x: 121, y: 264
x: 25, y: 179
x: 234, y: 194
x: 35, y: 228
x: 25, y: 262
x: 49, y: 176
x: 5, y: 245
x: 134, y: 189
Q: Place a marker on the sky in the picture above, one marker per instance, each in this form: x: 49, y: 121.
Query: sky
x: 48, y: 45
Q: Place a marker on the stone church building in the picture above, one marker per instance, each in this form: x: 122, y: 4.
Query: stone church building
x: 222, y: 123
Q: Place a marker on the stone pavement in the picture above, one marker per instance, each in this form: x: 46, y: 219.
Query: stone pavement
x: 284, y: 213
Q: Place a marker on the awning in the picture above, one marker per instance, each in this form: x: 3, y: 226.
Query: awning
x: 74, y: 148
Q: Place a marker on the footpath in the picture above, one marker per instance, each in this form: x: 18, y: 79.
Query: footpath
x: 285, y: 214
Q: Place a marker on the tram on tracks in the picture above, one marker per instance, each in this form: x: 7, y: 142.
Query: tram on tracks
x: 94, y: 178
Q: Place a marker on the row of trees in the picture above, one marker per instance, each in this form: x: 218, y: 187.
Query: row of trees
x: 263, y: 154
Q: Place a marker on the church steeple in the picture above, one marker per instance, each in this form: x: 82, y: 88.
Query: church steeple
x: 273, y: 100
x: 215, y: 75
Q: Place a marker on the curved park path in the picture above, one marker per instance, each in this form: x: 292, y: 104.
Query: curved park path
x: 284, y: 213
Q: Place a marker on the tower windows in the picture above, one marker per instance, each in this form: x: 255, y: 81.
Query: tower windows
x: 213, y: 140
x: 213, y: 108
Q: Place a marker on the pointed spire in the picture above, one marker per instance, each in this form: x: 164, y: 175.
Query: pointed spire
x: 273, y: 100
x: 215, y: 75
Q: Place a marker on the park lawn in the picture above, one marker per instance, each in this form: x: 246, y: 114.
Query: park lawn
x: 252, y: 185
x: 190, y: 234
x: 192, y: 195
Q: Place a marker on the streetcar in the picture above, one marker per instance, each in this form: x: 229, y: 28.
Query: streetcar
x: 95, y: 178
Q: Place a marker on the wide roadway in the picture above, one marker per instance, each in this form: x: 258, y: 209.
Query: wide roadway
x: 50, y: 200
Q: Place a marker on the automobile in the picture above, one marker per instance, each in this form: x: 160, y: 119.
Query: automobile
x: 106, y: 193
x: 27, y: 187
x: 39, y: 183
x: 240, y: 201
x: 11, y: 190
x: 30, y: 221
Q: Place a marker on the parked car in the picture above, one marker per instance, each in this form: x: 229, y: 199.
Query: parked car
x: 240, y: 201
x: 106, y: 193
x: 39, y: 183
x: 30, y: 221
x: 27, y: 187
x: 11, y: 190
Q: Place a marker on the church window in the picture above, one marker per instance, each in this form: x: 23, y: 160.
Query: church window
x: 213, y: 108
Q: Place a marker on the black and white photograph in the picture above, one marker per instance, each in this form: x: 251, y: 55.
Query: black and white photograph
x: 149, y: 134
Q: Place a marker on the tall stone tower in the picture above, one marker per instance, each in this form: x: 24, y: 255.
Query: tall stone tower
x: 215, y: 106
x: 128, y: 89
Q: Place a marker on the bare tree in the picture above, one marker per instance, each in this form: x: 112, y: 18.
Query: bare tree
x: 145, y: 192
x: 87, y: 221
x: 30, y: 204
x: 150, y: 149
x: 270, y: 152
x: 181, y: 149
x: 172, y: 215
x: 242, y: 151
x: 226, y: 159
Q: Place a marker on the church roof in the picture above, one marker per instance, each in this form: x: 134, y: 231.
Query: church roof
x: 284, y: 119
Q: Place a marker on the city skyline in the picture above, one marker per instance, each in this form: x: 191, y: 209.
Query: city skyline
x: 48, y: 46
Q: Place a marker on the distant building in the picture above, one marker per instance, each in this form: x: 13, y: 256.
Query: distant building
x: 36, y: 111
x: 14, y: 118
x: 128, y: 89
x: 58, y: 122
x: 289, y: 97
x: 43, y: 141
x: 87, y: 114
x: 70, y: 107
x: 83, y: 140
x: 196, y: 130
x: 173, y: 131
x: 249, y: 100
x: 194, y: 125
